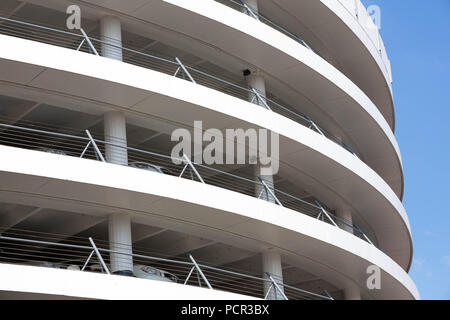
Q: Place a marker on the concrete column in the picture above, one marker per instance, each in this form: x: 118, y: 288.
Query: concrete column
x: 111, y: 36
x: 256, y: 80
x: 271, y: 263
x: 352, y: 292
x: 346, y: 215
x: 271, y: 259
x: 119, y: 229
x: 119, y: 225
x: 115, y: 131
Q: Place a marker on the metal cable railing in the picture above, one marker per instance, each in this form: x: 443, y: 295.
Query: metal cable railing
x: 81, y: 42
x: 26, y: 247
x: 59, y: 141
x: 242, y: 7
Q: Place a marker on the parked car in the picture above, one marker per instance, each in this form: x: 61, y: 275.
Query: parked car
x: 147, y: 166
x: 144, y: 272
x: 152, y: 273
x: 51, y: 150
x: 96, y: 267
x: 47, y: 264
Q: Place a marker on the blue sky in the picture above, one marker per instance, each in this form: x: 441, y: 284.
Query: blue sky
x: 417, y: 37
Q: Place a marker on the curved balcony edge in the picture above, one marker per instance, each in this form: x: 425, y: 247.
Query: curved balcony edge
x: 355, y: 27
x: 92, y: 187
x: 137, y: 91
x: 284, y: 59
x: 39, y: 282
x: 56, y: 53
x: 240, y: 33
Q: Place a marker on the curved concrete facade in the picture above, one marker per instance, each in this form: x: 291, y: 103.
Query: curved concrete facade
x: 144, y: 88
x: 292, y: 70
x: 62, y: 90
x: 92, y: 186
x: 363, y: 57
x: 37, y: 283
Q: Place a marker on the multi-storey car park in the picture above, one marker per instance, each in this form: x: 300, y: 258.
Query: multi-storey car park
x: 92, y: 204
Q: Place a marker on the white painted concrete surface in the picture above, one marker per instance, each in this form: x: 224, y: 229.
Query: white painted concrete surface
x: 89, y: 285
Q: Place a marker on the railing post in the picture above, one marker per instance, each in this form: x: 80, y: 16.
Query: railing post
x: 189, y: 275
x: 94, y: 144
x: 176, y: 72
x: 250, y: 11
x: 364, y: 235
x: 276, y: 286
x: 319, y: 215
x: 269, y: 190
x: 89, y: 42
x: 87, y: 261
x: 186, y: 72
x: 315, y: 126
x: 325, y: 212
x: 85, y: 149
x: 81, y: 44
x: 67, y: 256
x: 191, y: 165
x: 328, y: 294
x: 268, y: 291
x: 200, y: 271
x: 99, y: 256
x: 258, y: 96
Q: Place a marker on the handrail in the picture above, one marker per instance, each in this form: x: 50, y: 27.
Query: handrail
x: 48, y: 253
x: 67, y: 144
x: 258, y: 16
x: 75, y: 41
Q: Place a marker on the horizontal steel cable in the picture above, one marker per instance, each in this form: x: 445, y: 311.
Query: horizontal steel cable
x: 238, y: 91
x: 24, y: 251
x: 75, y: 145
